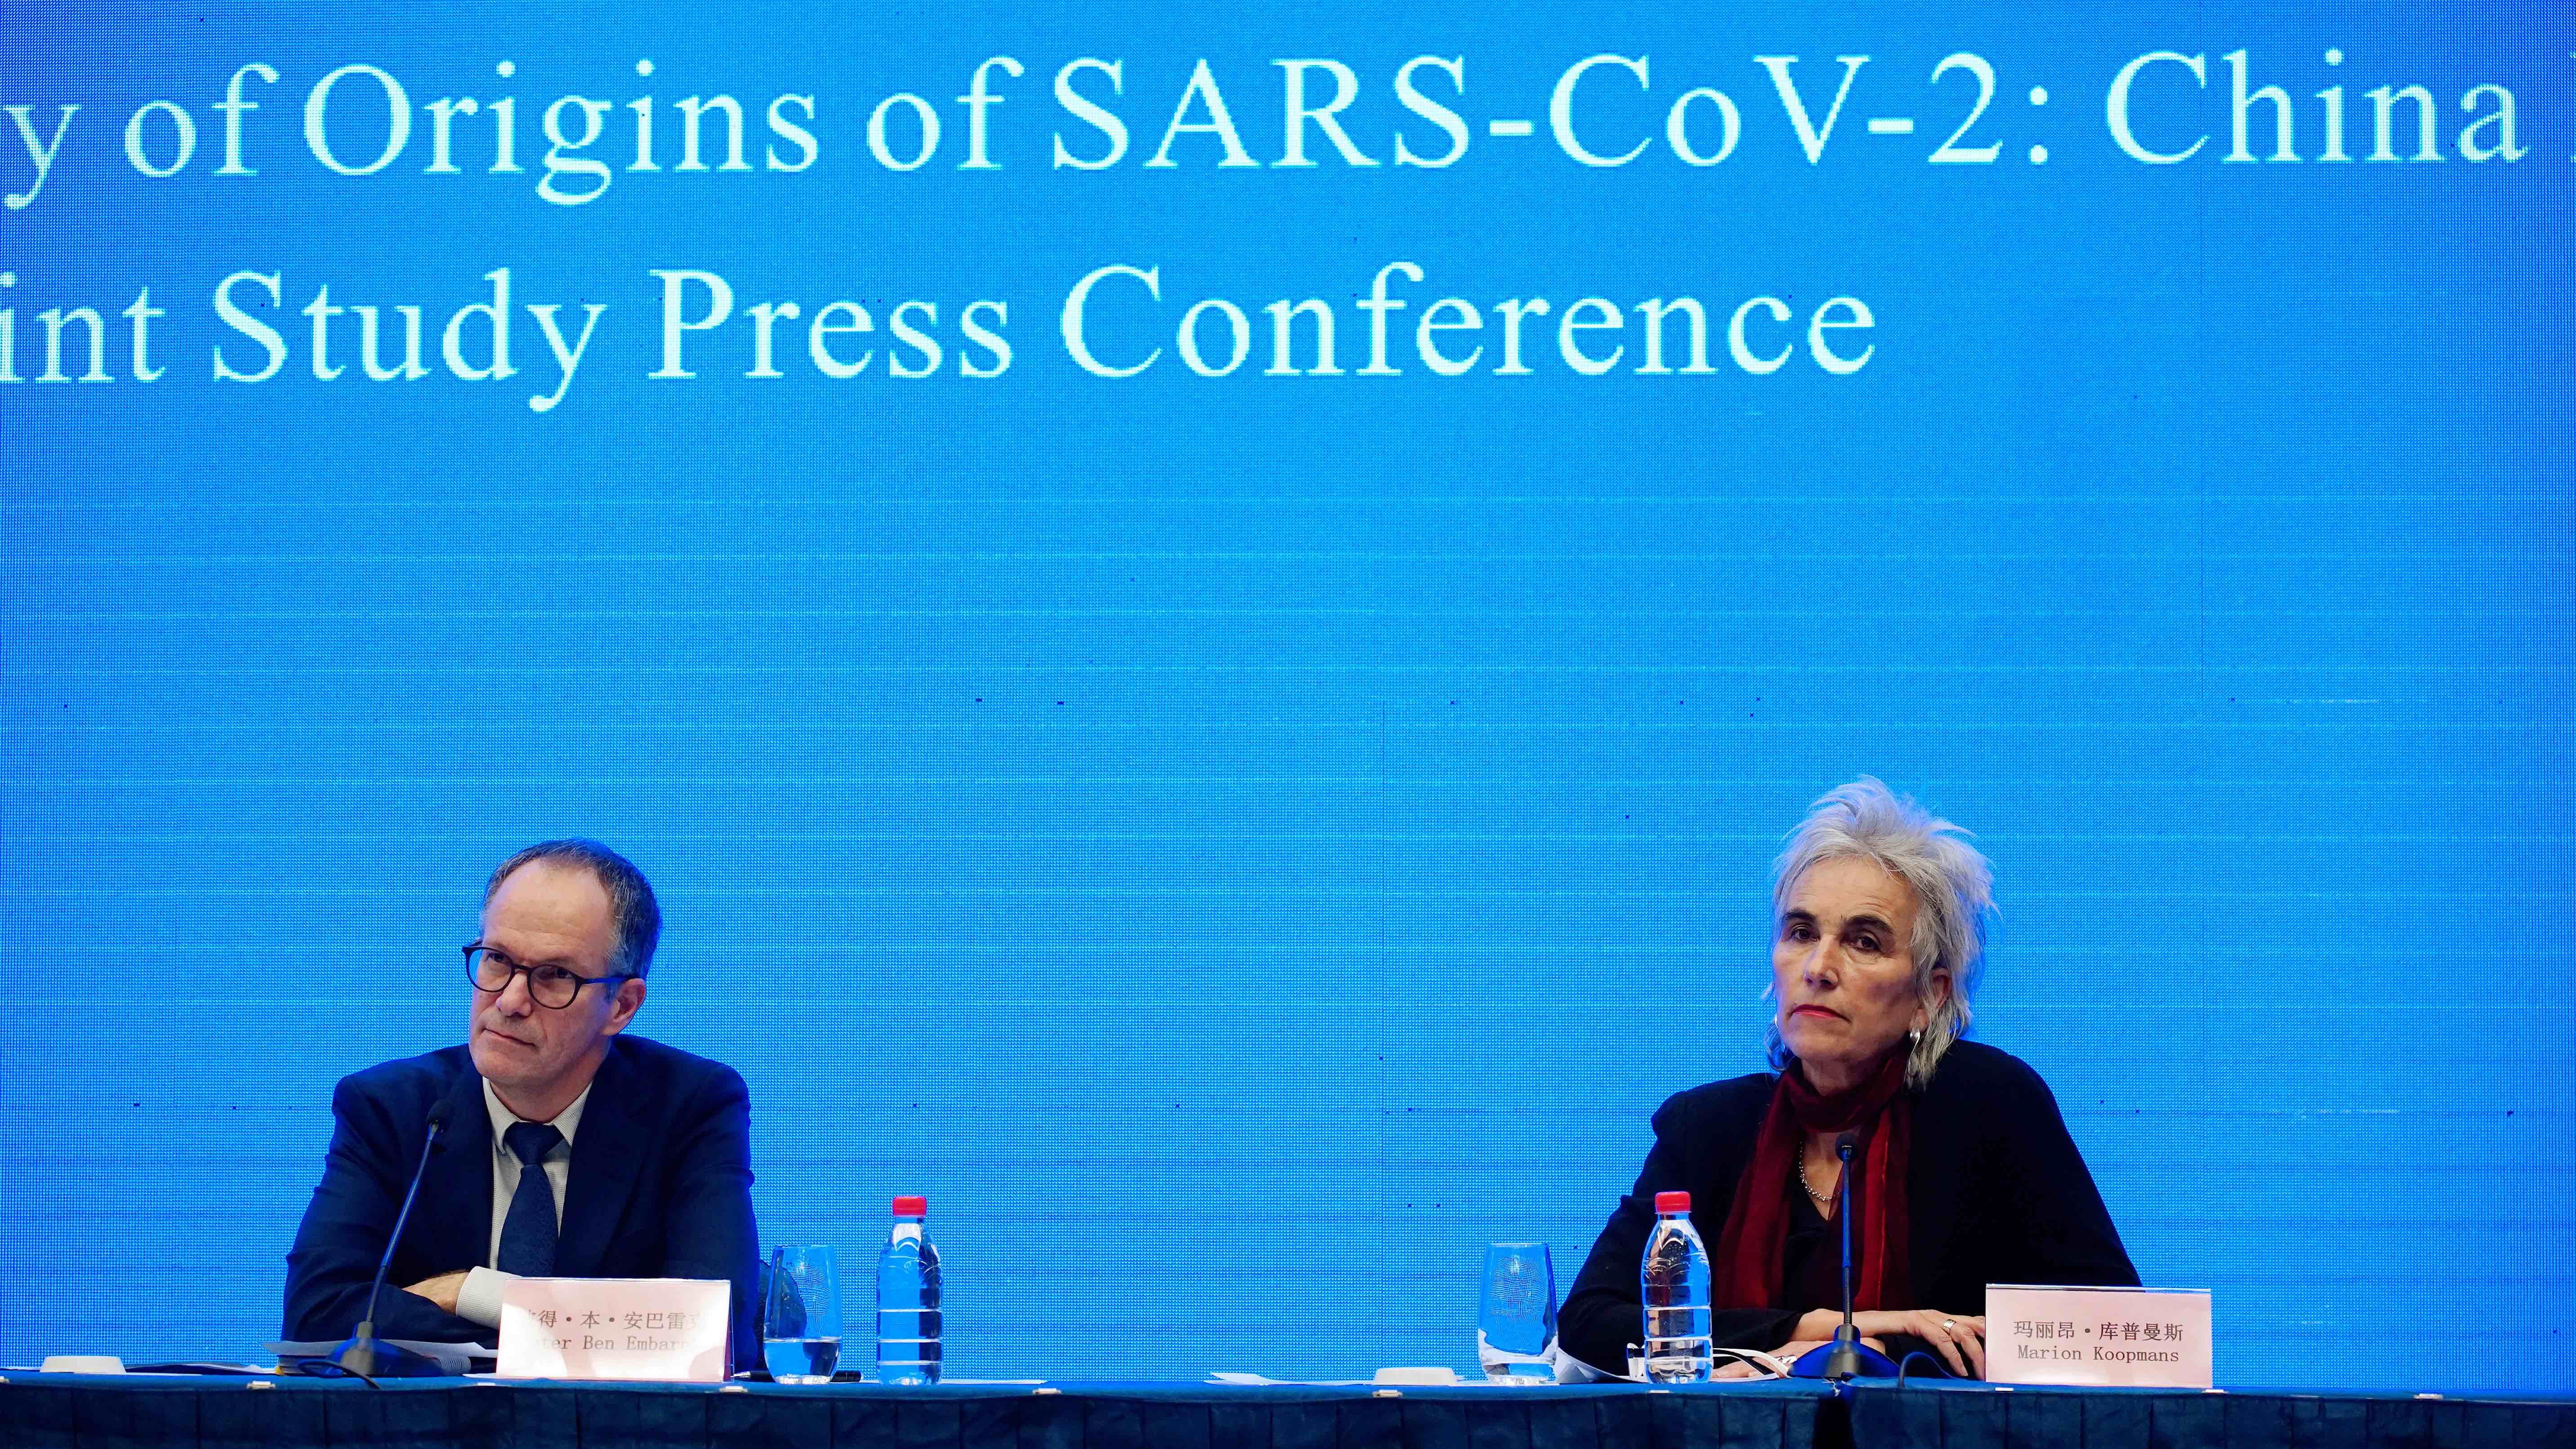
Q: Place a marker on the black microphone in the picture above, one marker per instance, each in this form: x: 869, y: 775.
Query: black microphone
x: 1846, y: 1357
x: 362, y: 1355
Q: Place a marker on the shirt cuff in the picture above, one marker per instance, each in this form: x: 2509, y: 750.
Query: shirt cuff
x: 479, y: 1299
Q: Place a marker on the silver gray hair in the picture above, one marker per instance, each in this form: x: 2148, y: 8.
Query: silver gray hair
x: 1954, y: 895
x: 630, y: 897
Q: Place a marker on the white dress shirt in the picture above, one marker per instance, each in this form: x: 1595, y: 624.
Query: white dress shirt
x: 479, y: 1299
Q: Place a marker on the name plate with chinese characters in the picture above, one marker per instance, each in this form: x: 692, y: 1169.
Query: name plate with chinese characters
x: 673, y: 1330
x: 2123, y: 1337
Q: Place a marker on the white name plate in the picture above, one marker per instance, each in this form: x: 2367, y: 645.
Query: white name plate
x: 2121, y: 1337
x: 673, y: 1330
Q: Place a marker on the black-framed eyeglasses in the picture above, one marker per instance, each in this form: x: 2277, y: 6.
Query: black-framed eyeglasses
x: 491, y: 970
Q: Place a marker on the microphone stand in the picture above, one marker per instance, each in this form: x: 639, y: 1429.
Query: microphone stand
x: 1846, y: 1357
x: 362, y: 1355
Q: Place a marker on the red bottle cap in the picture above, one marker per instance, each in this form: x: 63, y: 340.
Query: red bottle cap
x: 1672, y: 1202
x: 915, y: 1207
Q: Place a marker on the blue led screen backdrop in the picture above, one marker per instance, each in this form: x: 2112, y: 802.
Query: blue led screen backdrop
x: 1208, y: 623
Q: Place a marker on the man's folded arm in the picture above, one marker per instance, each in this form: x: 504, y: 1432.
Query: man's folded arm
x: 343, y: 1235
x: 711, y: 1233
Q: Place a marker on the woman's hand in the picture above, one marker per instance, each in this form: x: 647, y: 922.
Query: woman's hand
x: 1958, y: 1338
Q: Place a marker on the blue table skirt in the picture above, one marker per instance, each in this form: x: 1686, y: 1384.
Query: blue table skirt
x: 1939, y: 1414
x: 67, y: 1412
x: 60, y: 1412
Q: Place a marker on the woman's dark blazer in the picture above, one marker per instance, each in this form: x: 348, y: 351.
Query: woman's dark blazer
x: 1997, y: 1193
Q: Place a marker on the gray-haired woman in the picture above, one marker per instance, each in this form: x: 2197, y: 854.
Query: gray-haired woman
x: 1964, y: 1175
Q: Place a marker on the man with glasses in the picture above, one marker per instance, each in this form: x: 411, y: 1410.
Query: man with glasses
x: 569, y: 1149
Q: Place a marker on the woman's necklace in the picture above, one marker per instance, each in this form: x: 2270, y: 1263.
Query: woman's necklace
x: 1824, y: 1202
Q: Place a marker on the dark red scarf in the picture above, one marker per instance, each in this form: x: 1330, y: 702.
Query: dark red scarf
x: 1757, y: 1225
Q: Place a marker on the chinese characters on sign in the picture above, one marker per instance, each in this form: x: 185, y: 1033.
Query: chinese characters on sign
x: 2130, y: 1332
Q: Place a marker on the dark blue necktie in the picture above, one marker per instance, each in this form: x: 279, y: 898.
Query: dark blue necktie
x: 528, y: 1233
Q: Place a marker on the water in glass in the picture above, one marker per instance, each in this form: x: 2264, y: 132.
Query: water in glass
x: 800, y: 1303
x: 1516, y: 1314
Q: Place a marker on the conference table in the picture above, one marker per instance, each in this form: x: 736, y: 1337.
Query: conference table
x: 65, y: 1411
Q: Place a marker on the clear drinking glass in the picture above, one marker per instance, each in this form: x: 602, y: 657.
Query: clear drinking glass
x: 800, y: 1303
x: 1516, y: 1314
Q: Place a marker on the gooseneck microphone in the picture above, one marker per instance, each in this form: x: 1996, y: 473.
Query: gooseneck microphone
x: 1846, y: 1357
x: 362, y: 1355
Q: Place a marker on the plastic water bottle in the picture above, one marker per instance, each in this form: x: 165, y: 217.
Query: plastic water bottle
x: 908, y: 1299
x: 1673, y: 1282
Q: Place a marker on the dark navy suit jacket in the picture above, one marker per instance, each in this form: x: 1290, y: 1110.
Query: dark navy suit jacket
x: 1996, y: 1193
x: 660, y: 1187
